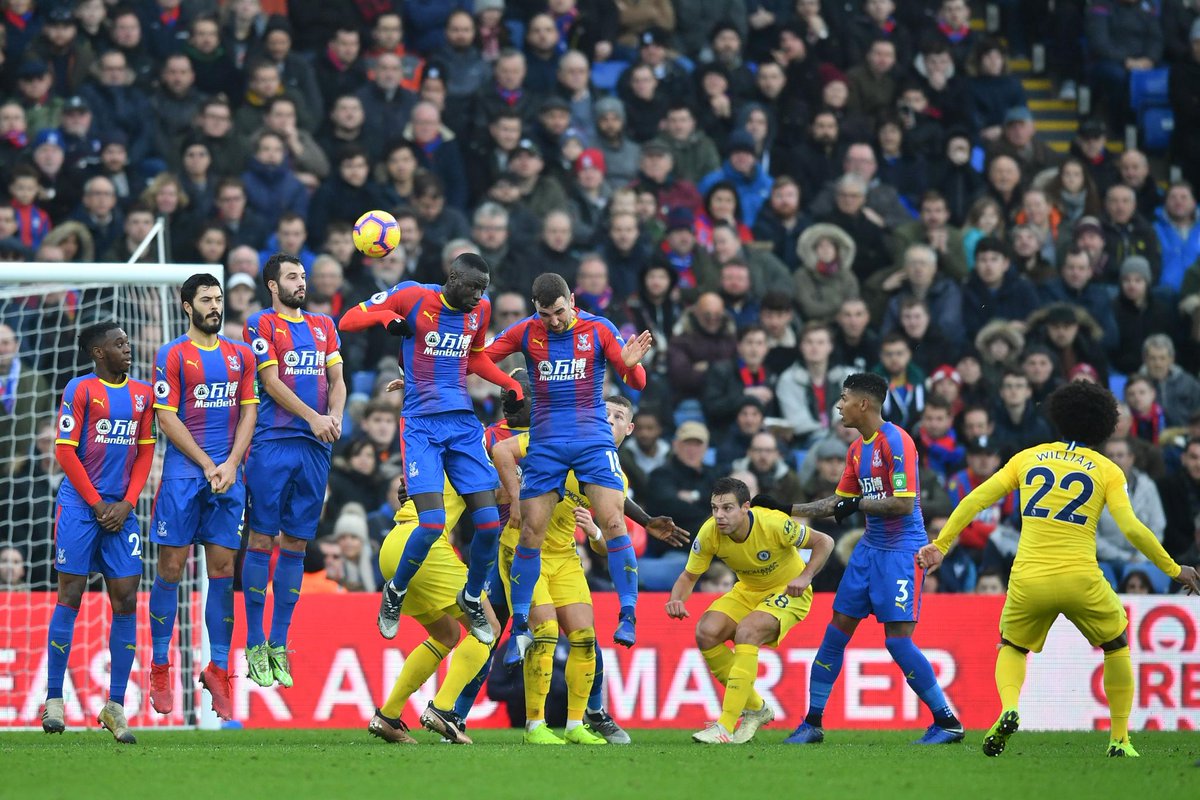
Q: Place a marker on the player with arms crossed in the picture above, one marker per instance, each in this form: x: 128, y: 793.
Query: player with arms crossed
x: 299, y: 419
x: 1064, y: 486
x: 443, y: 330
x: 206, y: 405
x: 561, y: 597
x: 881, y: 579
x: 773, y: 593
x: 105, y: 447
x: 566, y: 351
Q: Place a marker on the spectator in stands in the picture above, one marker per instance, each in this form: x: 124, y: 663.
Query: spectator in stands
x: 593, y: 292
x: 387, y: 103
x: 654, y: 308
x: 1180, y: 495
x: 573, y: 86
x: 953, y: 25
x: 1177, y: 225
x: 1040, y: 364
x: 936, y: 439
x: 1017, y: 423
x: 764, y: 461
x: 767, y: 273
x: 506, y: 89
x: 781, y: 221
x: 742, y: 170
x: 742, y: 376
x: 644, y: 451
x: 305, y: 156
x: 24, y: 397
x: 197, y: 176
x: 657, y: 174
x: 747, y: 423
x: 1075, y: 286
x: 215, y: 130
x: 929, y: 344
x: 1019, y: 140
x: 906, y: 381
x: 679, y: 489
x: 58, y: 192
x: 873, y: 86
x: 12, y: 570
x: 1139, y: 314
x: 1127, y: 234
x: 645, y: 98
x: 210, y: 246
x: 70, y: 57
x: 440, y: 149
x: 465, y: 69
x: 1044, y: 221
x: 1090, y: 147
x: 1147, y: 419
x: 932, y: 228
x: 1178, y: 392
x: 954, y: 177
x: 1005, y: 184
x: 994, y: 291
x: 993, y: 91
x: 1134, y: 168
x: 735, y: 285
x: 882, y: 205
x: 705, y: 336
x: 120, y: 106
x: 139, y: 219
x: 621, y: 154
x: 626, y: 252
x: 693, y: 152
x: 1184, y: 93
x: 270, y: 184
x: 244, y: 226
x: 877, y: 20
x: 42, y: 107
x: 1072, y: 335
x: 441, y: 222
x: 338, y: 69
x: 1123, y: 36
x: 826, y: 277
x: 99, y: 213
x: 540, y: 192
x: 809, y: 390
x: 855, y: 343
x: 1073, y: 192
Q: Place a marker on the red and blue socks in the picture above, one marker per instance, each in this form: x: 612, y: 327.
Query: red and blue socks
x: 919, y: 673
x: 827, y: 665
x: 483, y: 549
x: 122, y: 647
x: 622, y: 570
x: 58, y: 647
x: 430, y: 525
x: 256, y: 571
x: 289, y: 574
x: 218, y: 618
x: 164, y: 604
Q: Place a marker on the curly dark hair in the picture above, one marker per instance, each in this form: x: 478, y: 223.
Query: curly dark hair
x: 1083, y: 412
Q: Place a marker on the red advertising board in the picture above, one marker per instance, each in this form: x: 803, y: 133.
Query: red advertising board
x: 343, y: 668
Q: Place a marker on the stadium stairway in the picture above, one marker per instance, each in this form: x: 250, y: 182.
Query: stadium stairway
x: 1056, y: 120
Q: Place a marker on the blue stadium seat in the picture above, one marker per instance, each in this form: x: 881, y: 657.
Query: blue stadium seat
x: 1116, y: 385
x: 606, y: 74
x: 1157, y: 126
x: 1148, y: 87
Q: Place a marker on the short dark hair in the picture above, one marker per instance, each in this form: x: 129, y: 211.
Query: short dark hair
x: 426, y: 183
x: 621, y: 400
x: 289, y: 216
x: 187, y: 292
x: 746, y: 330
x: 1083, y: 412
x: 270, y: 271
x: 991, y: 244
x: 548, y: 287
x: 733, y: 486
x: 939, y: 402
x: 472, y: 261
x: 378, y: 406
x: 276, y: 100
x: 868, y: 384
x: 349, y: 152
x: 92, y: 334
x: 776, y: 300
x: 893, y: 338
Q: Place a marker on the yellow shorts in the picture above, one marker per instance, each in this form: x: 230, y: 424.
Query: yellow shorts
x: 1086, y: 599
x: 740, y: 601
x: 433, y: 591
x: 562, y: 581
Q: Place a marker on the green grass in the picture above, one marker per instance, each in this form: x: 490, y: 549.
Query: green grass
x: 663, y: 764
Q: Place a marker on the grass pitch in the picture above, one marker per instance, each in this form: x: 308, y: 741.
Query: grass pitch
x: 289, y: 765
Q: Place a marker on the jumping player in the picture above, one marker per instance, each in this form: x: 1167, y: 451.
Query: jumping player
x: 105, y: 447
x: 206, y: 405
x: 300, y: 416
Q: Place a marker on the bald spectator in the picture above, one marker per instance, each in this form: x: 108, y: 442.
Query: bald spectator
x: 1127, y: 234
x: 506, y: 89
x: 883, y: 206
x: 1135, y: 173
x: 387, y: 103
x: 706, y: 337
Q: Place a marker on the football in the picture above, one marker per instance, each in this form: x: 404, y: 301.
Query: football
x: 376, y: 234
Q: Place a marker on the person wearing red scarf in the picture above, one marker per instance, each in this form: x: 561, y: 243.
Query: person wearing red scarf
x: 1148, y: 417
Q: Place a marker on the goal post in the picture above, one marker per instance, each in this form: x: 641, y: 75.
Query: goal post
x: 43, y: 308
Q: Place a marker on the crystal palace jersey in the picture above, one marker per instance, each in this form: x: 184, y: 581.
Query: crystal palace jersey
x: 886, y: 466
x: 303, y: 348
x: 566, y: 373
x: 206, y: 387
x: 105, y: 422
x: 435, y: 358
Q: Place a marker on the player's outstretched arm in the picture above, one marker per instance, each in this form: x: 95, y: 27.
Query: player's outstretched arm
x: 323, y: 426
x: 662, y: 528
x: 359, y: 318
x: 504, y: 458
x: 479, y: 363
x: 685, y: 584
x: 983, y: 496
x: 816, y: 509
x: 1143, y: 539
x: 821, y: 545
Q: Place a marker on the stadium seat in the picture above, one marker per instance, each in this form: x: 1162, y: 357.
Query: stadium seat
x: 605, y: 74
x: 1148, y: 87
x: 1159, y: 581
x: 1156, y: 125
x: 1116, y: 384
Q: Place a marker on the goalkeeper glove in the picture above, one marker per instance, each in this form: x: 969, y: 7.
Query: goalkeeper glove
x: 767, y: 501
x: 845, y: 507
x: 400, y: 327
x: 511, y: 402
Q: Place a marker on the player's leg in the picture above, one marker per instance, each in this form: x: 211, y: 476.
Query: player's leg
x: 486, y: 519
x: 1118, y: 688
x: 498, y: 599
x: 578, y: 621
x: 609, y: 506
x: 755, y: 630
x: 717, y: 626
x: 466, y: 662
x: 270, y: 472
x: 122, y: 647
x: 1030, y: 608
x: 422, y: 455
x: 526, y: 569
x: 1010, y: 677
x: 164, y: 606
x: 58, y: 645
x: 218, y: 621
x: 538, y: 668
x: 418, y: 667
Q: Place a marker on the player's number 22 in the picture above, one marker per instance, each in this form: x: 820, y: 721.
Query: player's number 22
x: 1067, y: 512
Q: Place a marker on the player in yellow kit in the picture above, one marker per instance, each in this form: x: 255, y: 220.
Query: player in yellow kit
x: 432, y: 601
x: 561, y: 597
x: 1064, y: 486
x: 772, y: 594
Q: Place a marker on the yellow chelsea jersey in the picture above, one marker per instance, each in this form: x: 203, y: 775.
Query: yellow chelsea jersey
x: 769, y: 557
x: 560, y: 532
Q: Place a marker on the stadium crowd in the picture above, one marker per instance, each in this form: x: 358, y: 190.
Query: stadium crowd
x: 784, y: 192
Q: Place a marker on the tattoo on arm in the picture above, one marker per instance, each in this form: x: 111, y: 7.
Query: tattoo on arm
x: 819, y: 508
x: 888, y: 506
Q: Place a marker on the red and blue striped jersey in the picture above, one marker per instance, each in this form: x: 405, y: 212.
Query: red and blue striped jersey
x: 566, y: 374
x: 434, y: 359
x: 492, y: 435
x: 303, y: 348
x: 105, y: 422
x: 886, y: 466
x: 206, y: 387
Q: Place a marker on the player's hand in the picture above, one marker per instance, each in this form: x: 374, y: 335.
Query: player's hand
x: 115, y: 515
x: 324, y: 428
x: 767, y: 501
x: 929, y: 558
x: 583, y: 518
x: 677, y: 610
x: 512, y: 401
x: 401, y: 494
x: 665, y: 530
x: 1190, y: 579
x: 222, y: 477
x: 797, y: 585
x: 635, y: 349
x: 395, y: 386
x: 846, y: 507
x: 514, y: 515
x: 100, y: 510
x: 400, y: 327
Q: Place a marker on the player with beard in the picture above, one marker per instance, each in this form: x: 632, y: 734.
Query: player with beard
x: 205, y: 403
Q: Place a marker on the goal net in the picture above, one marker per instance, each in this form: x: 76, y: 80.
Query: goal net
x: 43, y: 307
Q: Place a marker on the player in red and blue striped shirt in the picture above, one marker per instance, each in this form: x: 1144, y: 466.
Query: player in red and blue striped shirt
x: 105, y: 447
x: 443, y: 330
x: 299, y: 419
x: 206, y: 405
x: 566, y: 353
x: 882, y: 578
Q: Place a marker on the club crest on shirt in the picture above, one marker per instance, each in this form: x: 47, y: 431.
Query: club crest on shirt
x: 763, y: 555
x: 473, y: 321
x: 139, y: 403
x: 319, y: 334
x: 876, y: 461
x: 583, y: 341
x: 234, y: 362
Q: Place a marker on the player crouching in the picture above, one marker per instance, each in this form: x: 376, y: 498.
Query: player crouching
x: 773, y: 593
x: 432, y: 601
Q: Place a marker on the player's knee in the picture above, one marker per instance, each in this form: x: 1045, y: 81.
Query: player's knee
x: 124, y: 602
x: 583, y: 641
x: 755, y: 633
x: 292, y: 543
x: 170, y: 568
x: 613, y: 528
x: 70, y: 593
x: 448, y: 636
x: 546, y: 633
x: 260, y: 541
x: 708, y: 636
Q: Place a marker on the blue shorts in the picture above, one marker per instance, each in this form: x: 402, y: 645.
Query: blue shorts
x: 449, y: 443
x: 286, y: 480
x: 886, y: 583
x: 82, y: 547
x: 187, y: 512
x: 544, y: 468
